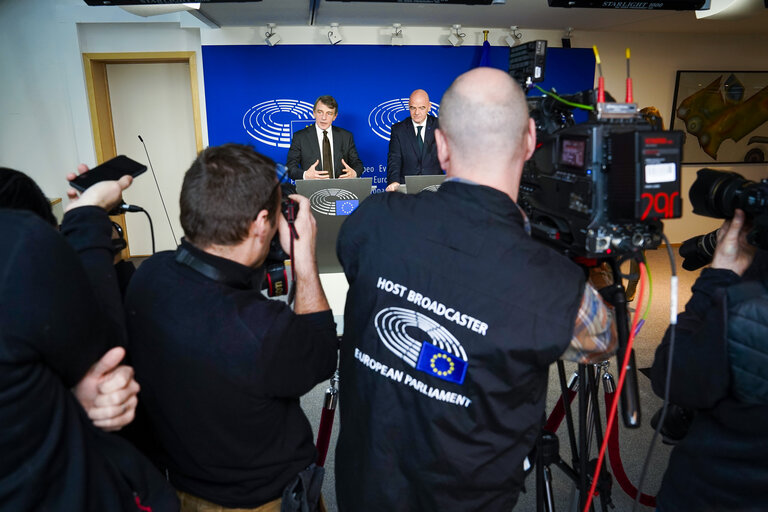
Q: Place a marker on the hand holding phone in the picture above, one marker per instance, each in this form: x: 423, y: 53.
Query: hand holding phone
x: 101, y: 191
x: 111, y: 170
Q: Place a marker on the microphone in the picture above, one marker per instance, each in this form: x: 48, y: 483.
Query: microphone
x: 170, y: 225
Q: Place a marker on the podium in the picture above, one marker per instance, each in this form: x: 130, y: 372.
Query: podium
x: 331, y: 202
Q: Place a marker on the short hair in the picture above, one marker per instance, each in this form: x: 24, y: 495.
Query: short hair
x: 223, y: 192
x: 327, y: 100
x: 20, y: 192
x: 482, y: 116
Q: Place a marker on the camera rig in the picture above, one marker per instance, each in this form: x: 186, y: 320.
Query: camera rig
x: 600, y: 188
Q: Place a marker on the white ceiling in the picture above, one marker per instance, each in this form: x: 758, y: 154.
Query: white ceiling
x: 530, y: 14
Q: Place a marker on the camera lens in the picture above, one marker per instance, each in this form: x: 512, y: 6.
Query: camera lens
x: 716, y: 193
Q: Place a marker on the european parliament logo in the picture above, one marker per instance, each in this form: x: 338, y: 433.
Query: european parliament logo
x: 401, y: 329
x: 333, y: 201
x: 272, y: 122
x: 385, y: 114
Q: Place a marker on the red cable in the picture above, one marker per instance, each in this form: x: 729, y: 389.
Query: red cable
x: 614, y: 456
x: 614, y: 406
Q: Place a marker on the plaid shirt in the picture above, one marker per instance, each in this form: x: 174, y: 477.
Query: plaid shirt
x: 594, y: 333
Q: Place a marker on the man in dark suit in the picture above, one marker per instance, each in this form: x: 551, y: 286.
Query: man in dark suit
x: 322, y: 151
x: 412, y: 149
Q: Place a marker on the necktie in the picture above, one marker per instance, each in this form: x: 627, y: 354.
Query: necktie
x: 419, y: 139
x: 327, y: 159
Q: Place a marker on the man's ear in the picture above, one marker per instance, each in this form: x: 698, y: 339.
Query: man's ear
x: 261, y: 227
x: 443, y: 150
x: 530, y: 139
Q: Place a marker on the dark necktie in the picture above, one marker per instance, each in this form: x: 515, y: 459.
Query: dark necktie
x: 419, y: 139
x: 327, y: 159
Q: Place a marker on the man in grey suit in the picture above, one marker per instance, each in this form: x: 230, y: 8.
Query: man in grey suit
x: 322, y: 151
x: 412, y: 148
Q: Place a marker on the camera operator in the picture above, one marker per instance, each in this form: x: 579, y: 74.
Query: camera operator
x: 719, y: 370
x: 221, y: 366
x: 453, y: 317
x: 59, y: 310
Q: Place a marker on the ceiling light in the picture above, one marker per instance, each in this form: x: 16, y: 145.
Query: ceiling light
x: 333, y: 35
x: 397, y: 35
x: 457, y: 38
x: 514, y: 36
x: 271, y: 37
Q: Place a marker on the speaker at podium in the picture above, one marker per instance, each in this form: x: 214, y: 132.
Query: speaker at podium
x: 331, y: 201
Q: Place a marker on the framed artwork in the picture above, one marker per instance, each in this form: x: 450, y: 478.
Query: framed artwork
x: 724, y: 115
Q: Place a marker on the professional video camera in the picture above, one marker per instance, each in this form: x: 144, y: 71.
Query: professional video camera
x: 600, y: 188
x: 717, y: 194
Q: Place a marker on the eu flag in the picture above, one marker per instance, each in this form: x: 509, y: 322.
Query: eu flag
x: 346, y: 207
x: 441, y: 364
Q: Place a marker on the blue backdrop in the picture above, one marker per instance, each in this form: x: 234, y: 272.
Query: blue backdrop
x: 260, y: 95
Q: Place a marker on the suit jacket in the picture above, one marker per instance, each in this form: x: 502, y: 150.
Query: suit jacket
x: 404, y: 158
x: 305, y: 149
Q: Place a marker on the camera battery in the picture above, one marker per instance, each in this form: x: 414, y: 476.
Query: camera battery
x: 644, y: 174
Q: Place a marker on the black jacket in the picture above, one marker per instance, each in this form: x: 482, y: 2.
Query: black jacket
x: 305, y: 150
x: 53, y: 326
x: 720, y: 465
x: 452, y: 319
x: 222, y: 369
x: 404, y: 158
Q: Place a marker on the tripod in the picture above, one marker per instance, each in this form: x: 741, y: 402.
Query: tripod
x: 585, y: 385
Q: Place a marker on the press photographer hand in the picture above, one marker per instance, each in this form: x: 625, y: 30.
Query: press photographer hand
x: 105, y: 194
x: 733, y: 252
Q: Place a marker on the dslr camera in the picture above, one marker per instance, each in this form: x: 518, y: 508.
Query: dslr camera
x: 717, y: 194
x: 276, y: 276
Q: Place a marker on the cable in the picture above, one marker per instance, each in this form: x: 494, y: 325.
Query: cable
x: 569, y: 103
x: 668, y: 378
x: 170, y: 225
x: 614, y: 406
x: 151, y: 229
x: 647, y: 309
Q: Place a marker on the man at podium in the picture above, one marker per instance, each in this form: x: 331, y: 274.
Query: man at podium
x: 322, y: 151
x: 412, y: 148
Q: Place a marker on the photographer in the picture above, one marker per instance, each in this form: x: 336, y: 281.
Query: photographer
x: 221, y: 366
x: 719, y: 370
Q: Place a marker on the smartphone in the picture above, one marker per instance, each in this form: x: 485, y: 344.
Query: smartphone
x: 110, y: 170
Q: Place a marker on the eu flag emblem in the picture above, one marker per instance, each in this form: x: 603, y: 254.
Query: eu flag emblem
x: 441, y: 364
x: 346, y: 207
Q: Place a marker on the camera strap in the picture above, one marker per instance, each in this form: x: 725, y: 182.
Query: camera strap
x: 186, y: 257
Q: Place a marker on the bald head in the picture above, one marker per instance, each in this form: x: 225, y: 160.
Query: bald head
x: 484, y: 119
x: 419, y: 105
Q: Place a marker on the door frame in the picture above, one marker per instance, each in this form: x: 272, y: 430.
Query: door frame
x: 95, y: 67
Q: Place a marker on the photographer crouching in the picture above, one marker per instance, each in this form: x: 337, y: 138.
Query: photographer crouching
x: 719, y: 369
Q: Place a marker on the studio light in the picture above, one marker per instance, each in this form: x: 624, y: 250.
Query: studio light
x: 566, y: 40
x: 514, y: 36
x: 397, y: 35
x: 271, y: 37
x: 333, y: 35
x: 457, y: 38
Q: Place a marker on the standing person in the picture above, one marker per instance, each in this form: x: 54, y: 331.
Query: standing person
x: 412, y: 148
x: 322, y: 151
x: 718, y: 370
x: 61, y: 386
x: 221, y: 366
x: 453, y: 317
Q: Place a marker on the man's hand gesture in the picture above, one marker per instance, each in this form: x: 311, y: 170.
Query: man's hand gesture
x: 392, y: 187
x: 348, y: 171
x: 313, y: 174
